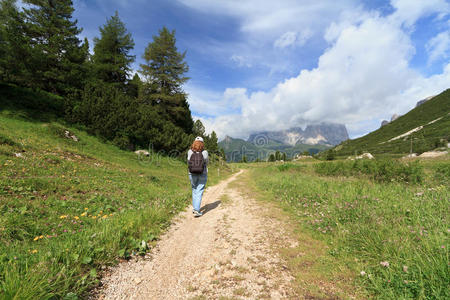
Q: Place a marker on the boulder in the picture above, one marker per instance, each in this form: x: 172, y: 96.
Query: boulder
x: 142, y: 152
x: 384, y: 123
x: 366, y: 155
x: 68, y: 135
x: 410, y: 155
x: 431, y: 154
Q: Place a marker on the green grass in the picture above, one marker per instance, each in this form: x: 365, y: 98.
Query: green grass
x: 385, y: 170
x: 366, y: 223
x: 69, y: 208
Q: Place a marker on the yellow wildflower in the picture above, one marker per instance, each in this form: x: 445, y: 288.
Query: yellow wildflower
x: 110, y: 215
x: 76, y: 217
x: 105, y: 216
x: 83, y: 214
x: 41, y: 237
x: 85, y: 208
x: 63, y: 217
x: 94, y: 217
x: 34, y: 251
x: 36, y: 238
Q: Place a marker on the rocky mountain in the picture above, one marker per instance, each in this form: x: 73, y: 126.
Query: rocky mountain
x: 423, y: 101
x: 320, y: 134
x: 235, y: 149
x: 393, y: 118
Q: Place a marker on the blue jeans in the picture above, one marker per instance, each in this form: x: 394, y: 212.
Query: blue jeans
x: 198, y: 182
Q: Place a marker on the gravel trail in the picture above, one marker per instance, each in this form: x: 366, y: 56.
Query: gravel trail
x: 228, y: 253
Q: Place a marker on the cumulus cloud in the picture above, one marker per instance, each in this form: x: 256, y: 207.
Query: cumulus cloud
x: 438, y: 47
x: 363, y: 76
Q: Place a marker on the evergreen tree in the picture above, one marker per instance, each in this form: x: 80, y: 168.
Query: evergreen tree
x: 112, y: 59
x: 14, y: 45
x: 56, y: 53
x: 163, y: 73
x: 271, y: 157
x: 134, y: 86
x: 199, y: 129
x: 213, y: 143
x: 283, y: 156
x: 277, y: 155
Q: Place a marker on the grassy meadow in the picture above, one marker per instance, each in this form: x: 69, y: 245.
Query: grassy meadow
x: 385, y: 223
x: 68, y: 208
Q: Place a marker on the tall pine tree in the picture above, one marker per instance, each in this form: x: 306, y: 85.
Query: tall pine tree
x: 164, y: 73
x: 112, y: 58
x: 14, y: 45
x: 57, y: 56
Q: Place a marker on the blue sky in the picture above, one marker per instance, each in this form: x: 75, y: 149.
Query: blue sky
x: 262, y: 65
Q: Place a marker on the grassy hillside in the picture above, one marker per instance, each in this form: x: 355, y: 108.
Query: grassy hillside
x: 235, y: 149
x: 430, y: 137
x: 69, y: 208
x: 386, y: 225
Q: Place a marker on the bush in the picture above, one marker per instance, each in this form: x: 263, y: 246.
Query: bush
x: 380, y: 170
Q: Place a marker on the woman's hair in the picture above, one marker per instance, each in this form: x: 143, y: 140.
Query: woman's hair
x: 197, y: 146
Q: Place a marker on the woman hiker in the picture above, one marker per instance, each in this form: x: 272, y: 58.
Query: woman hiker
x: 198, y: 172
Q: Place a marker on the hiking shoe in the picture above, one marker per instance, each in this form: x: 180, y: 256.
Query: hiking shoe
x: 197, y: 214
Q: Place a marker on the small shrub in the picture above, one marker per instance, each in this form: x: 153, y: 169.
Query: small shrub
x: 381, y: 170
x: 7, y: 141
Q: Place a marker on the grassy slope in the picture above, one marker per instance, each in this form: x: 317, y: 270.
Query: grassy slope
x: 376, y: 142
x: 67, y: 208
x: 365, y: 223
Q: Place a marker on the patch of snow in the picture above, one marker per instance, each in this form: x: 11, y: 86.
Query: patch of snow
x: 293, y: 138
x: 406, y: 133
x: 316, y: 140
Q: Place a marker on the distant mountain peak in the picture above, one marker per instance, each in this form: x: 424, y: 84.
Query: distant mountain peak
x: 323, y: 133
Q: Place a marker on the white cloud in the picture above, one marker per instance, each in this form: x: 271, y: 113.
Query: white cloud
x: 292, y: 38
x: 240, y: 61
x: 364, y: 76
x: 438, y: 47
x: 409, y: 11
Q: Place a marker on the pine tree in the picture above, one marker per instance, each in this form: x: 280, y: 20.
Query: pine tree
x: 134, y: 86
x: 277, y: 155
x: 14, y: 45
x: 213, y: 143
x: 56, y: 54
x: 199, y: 129
x: 164, y: 74
x: 112, y: 59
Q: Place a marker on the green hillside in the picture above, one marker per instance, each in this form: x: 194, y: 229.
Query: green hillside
x: 235, y: 149
x: 433, y: 115
x: 68, y: 208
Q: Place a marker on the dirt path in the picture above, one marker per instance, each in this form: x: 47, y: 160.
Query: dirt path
x: 228, y: 253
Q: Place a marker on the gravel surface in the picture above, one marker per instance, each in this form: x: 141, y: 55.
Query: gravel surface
x: 228, y: 253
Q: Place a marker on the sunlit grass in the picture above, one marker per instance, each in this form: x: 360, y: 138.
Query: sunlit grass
x: 392, y: 236
x: 69, y: 208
